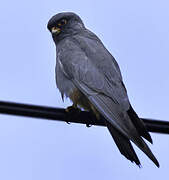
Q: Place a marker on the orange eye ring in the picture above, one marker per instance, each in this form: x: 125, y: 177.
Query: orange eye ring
x: 59, y: 24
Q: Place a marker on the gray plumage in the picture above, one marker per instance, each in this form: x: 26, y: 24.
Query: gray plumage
x: 83, y: 64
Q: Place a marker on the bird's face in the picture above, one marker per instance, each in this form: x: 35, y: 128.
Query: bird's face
x: 64, y: 24
x: 58, y: 26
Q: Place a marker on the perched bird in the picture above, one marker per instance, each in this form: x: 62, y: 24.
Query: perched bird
x: 89, y: 75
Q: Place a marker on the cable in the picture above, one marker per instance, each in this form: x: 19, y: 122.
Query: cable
x: 59, y: 114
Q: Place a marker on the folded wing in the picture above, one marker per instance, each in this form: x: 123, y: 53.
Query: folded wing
x: 109, y: 97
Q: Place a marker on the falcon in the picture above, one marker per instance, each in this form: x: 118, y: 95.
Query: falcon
x: 89, y: 75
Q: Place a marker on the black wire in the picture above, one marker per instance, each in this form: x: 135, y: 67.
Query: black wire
x: 59, y: 114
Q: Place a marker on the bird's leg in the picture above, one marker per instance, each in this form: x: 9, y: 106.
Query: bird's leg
x: 72, y: 108
x: 95, y: 113
x: 72, y: 112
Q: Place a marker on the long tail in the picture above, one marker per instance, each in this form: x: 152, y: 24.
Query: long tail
x: 123, y: 144
x: 139, y: 124
x: 124, y: 127
x: 125, y: 147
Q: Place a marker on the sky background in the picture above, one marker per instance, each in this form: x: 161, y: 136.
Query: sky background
x: 136, y: 33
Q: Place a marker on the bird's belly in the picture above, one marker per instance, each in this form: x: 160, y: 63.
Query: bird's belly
x: 79, y: 99
x: 67, y: 88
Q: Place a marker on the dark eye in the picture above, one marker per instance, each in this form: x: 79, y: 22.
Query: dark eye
x: 62, y: 22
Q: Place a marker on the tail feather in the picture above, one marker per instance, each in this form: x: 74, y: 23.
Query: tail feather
x: 139, y: 124
x: 144, y: 147
x: 125, y: 147
x: 123, y: 127
x: 123, y: 144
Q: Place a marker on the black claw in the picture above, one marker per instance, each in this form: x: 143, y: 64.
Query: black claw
x: 88, y: 125
x: 71, y: 113
x: 72, y: 109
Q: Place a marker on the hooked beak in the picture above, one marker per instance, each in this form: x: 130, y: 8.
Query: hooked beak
x: 55, y: 30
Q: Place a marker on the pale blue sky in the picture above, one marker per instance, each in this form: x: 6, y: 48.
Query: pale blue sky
x: 136, y: 33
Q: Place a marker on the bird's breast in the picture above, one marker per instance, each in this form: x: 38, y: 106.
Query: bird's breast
x: 64, y: 84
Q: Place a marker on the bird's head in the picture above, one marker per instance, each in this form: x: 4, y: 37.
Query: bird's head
x: 64, y: 24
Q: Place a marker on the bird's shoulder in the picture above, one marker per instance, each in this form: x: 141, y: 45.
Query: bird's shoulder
x: 86, y: 46
x: 95, y: 50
